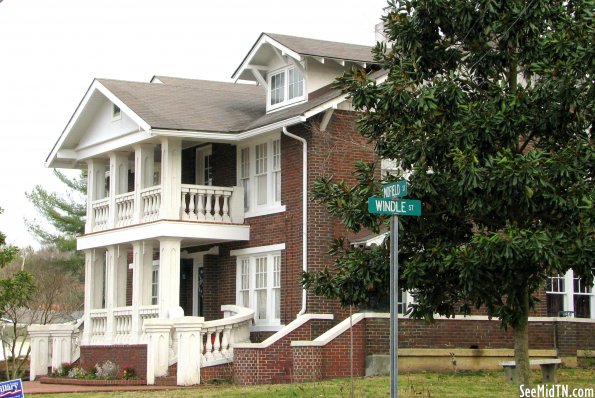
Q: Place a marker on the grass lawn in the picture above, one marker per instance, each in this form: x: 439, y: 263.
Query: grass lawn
x: 413, y: 385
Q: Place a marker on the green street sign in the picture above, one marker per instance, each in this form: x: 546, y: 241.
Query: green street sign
x: 400, y: 207
x: 395, y: 189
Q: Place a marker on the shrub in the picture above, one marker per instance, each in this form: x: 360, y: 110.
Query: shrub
x: 108, y: 370
x: 130, y: 374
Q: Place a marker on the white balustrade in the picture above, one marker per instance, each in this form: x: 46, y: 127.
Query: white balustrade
x: 151, y: 202
x: 100, y: 214
x: 124, y: 209
x: 98, y: 325
x: 206, y: 203
x: 123, y: 324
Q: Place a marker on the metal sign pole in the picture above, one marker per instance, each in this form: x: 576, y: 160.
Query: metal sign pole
x: 394, y: 305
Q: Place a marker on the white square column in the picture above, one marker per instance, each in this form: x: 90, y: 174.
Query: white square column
x: 118, y: 182
x: 94, y: 293
x: 169, y: 276
x: 110, y: 292
x: 171, y: 178
x: 142, y: 269
x: 144, y: 169
x: 96, y: 169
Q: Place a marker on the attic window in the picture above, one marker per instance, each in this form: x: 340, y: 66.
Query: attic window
x: 116, y: 112
x: 286, y: 86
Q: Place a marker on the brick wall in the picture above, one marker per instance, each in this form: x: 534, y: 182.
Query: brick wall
x: 125, y: 356
x: 274, y: 363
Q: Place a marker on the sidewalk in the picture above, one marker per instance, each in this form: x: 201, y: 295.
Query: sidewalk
x: 35, y: 387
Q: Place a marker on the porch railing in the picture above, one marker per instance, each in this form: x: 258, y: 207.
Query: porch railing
x: 179, y: 340
x: 98, y: 325
x: 198, y: 203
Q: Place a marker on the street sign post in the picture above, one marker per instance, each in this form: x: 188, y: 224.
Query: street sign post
x: 392, y: 205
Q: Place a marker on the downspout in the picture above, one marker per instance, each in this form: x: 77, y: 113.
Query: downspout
x: 304, y: 211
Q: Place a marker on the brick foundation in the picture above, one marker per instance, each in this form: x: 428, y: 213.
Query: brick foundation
x: 125, y: 356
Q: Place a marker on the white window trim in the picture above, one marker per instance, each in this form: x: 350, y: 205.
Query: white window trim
x: 569, y: 293
x: 199, y: 169
x: 252, y: 254
x: 286, y: 102
x: 271, y: 206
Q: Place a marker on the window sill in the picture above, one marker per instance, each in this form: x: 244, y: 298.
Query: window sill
x: 265, y: 211
x: 266, y: 328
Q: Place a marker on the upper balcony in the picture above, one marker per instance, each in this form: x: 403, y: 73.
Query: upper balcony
x: 139, y: 194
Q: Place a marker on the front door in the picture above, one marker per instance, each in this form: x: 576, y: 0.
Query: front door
x: 186, y: 281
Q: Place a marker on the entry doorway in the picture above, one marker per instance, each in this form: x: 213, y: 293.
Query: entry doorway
x: 191, y: 286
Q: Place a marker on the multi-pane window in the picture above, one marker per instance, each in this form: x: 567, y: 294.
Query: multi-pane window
x: 155, y: 284
x: 207, y: 170
x: 295, y: 83
x: 286, y: 86
x: 245, y: 176
x: 278, y: 88
x: 244, y: 296
x: 259, y: 172
x: 277, y: 170
x: 568, y: 296
x: 259, y: 286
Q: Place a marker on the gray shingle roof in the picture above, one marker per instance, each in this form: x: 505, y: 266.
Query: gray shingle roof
x: 207, y: 106
x: 324, y: 48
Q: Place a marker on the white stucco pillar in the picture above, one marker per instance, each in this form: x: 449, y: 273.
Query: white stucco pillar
x: 144, y: 169
x: 62, y: 344
x: 94, y: 292
x: 96, y: 169
x: 118, y: 182
x: 171, y: 178
x: 111, y: 294
x: 188, y: 333
x: 40, y: 345
x: 169, y: 276
x: 158, y: 335
x: 121, y: 275
x: 141, y: 282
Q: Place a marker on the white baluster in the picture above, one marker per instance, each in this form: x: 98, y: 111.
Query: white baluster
x: 217, y: 346
x: 225, y: 341
x: 209, y: 346
x: 200, y: 210
x: 185, y: 216
x: 192, y: 206
x: 208, y: 207
x: 225, y: 216
x: 217, y: 207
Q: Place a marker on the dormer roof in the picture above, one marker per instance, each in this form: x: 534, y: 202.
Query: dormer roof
x: 298, y: 48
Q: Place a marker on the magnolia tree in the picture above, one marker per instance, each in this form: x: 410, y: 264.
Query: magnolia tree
x: 488, y: 109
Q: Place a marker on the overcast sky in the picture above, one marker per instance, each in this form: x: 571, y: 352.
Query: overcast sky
x: 50, y: 51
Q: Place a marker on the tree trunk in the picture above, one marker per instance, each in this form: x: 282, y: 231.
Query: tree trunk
x: 521, y: 341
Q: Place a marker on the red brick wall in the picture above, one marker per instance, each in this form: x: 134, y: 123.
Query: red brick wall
x: 220, y: 372
x: 271, y: 364
x: 125, y: 356
x: 336, y: 361
x: 307, y: 364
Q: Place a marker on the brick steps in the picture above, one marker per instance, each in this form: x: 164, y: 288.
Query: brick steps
x: 171, y: 379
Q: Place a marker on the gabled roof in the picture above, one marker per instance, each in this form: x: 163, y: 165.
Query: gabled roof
x: 300, y: 47
x: 192, y: 105
x: 324, y: 48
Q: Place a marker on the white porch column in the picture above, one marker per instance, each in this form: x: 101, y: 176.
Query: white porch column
x: 111, y: 295
x: 144, y: 169
x: 141, y: 282
x: 118, y: 182
x: 95, y: 188
x: 158, y: 332
x: 171, y: 178
x: 94, y: 294
x: 40, y: 343
x: 188, y: 331
x: 121, y: 275
x: 169, y: 275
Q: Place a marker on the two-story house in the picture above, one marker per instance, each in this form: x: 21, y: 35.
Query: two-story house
x: 199, y: 225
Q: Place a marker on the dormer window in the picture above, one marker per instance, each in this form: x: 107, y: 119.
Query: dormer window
x: 286, y: 86
x: 116, y: 112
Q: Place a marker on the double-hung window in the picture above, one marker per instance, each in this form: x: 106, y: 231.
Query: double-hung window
x: 568, y: 296
x: 259, y: 286
x: 259, y: 173
x: 286, y: 86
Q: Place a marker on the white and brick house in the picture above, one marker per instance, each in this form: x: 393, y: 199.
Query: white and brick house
x: 199, y: 224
